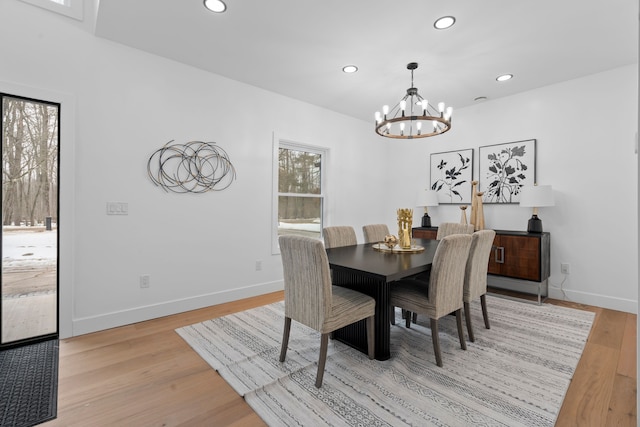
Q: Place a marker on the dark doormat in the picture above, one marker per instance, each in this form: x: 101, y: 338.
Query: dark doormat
x: 29, y: 384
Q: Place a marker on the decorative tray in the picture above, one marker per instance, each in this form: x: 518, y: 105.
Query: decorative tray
x: 414, y: 249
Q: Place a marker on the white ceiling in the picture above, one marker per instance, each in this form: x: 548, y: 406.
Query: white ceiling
x: 298, y: 47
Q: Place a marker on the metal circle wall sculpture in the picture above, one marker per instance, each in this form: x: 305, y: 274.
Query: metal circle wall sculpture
x: 193, y: 167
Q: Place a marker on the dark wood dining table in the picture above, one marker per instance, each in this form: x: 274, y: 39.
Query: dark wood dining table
x: 372, y: 272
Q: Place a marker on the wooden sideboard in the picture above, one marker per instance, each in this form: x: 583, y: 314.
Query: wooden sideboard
x: 425, y: 232
x: 519, y: 261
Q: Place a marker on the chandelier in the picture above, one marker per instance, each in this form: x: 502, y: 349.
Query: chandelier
x: 413, y: 116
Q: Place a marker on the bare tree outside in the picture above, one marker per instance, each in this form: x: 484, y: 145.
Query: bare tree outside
x: 29, y: 162
x: 30, y: 131
x: 299, y: 192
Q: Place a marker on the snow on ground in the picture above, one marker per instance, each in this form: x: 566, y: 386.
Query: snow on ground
x: 24, y: 248
x: 313, y: 227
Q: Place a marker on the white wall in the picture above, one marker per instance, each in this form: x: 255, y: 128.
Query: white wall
x: 201, y: 249
x: 586, y: 136
x: 198, y: 249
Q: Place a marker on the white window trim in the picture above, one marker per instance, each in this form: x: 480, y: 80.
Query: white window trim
x: 287, y: 143
x: 71, y: 8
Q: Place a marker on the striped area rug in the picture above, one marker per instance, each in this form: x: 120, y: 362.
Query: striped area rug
x: 514, y: 374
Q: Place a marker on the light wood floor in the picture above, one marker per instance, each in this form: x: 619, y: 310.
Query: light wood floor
x: 146, y: 375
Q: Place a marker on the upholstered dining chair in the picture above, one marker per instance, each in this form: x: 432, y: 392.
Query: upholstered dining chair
x: 475, y: 276
x: 448, y: 228
x: 340, y: 235
x: 337, y: 236
x: 443, y: 295
x: 311, y: 299
x: 374, y: 233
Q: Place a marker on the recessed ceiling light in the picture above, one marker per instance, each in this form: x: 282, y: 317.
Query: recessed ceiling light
x: 504, y: 77
x: 444, y: 22
x: 349, y: 69
x: 217, y: 6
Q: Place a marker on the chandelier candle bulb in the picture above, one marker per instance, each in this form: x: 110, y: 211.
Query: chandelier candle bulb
x: 441, y: 107
x: 403, y: 106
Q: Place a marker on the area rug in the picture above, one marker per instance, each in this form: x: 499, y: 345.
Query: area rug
x: 29, y: 384
x: 514, y: 374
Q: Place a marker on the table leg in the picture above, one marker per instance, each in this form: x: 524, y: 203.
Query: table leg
x: 355, y: 335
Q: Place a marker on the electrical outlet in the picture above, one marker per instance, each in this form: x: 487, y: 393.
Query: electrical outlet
x: 258, y: 265
x: 565, y: 268
x: 145, y: 281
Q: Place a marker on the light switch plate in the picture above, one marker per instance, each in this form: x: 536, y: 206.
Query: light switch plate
x: 117, y: 208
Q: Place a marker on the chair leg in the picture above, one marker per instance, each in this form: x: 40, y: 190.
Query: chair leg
x: 392, y: 314
x: 407, y: 319
x: 414, y: 317
x: 467, y: 318
x: 483, y: 302
x: 371, y: 340
x: 463, y: 342
x: 285, y: 338
x: 436, y: 341
x: 324, y: 343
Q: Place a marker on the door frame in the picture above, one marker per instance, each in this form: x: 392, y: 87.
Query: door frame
x: 66, y: 195
x: 52, y: 335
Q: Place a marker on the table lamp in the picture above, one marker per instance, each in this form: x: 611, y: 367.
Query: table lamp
x: 536, y: 196
x: 427, y: 198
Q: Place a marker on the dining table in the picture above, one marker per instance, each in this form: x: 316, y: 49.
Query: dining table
x: 372, y: 271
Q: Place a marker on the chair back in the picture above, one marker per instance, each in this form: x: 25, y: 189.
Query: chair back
x: 475, y: 277
x: 307, y: 280
x: 342, y: 235
x: 446, y: 281
x: 374, y: 233
x: 448, y: 228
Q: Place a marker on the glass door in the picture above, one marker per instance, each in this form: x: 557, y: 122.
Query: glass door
x: 30, y: 138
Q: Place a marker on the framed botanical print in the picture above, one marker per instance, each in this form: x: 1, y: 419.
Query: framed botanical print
x: 505, y: 169
x: 451, y: 176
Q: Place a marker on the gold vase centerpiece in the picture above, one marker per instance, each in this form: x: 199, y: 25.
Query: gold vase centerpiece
x: 405, y: 219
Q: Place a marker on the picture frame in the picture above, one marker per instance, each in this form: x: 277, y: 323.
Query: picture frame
x: 504, y: 169
x: 451, y: 175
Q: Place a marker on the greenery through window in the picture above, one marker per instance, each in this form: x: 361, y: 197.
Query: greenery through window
x: 300, y: 197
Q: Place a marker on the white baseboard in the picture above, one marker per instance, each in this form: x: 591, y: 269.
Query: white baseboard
x: 554, y: 291
x: 598, y: 300
x: 101, y: 322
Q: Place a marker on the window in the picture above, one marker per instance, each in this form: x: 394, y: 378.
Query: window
x: 299, y: 198
x: 70, y: 8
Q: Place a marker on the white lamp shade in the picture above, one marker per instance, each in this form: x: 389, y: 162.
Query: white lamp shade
x: 536, y: 196
x: 427, y: 198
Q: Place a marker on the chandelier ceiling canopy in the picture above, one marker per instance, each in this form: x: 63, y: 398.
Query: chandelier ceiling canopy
x: 413, y: 116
